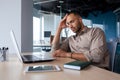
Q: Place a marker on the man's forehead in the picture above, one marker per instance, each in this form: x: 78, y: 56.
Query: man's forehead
x: 71, y: 17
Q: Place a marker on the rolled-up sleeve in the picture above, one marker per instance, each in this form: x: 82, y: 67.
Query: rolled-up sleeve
x: 98, y: 47
x: 63, y: 45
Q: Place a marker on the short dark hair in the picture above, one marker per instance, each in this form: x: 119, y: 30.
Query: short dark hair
x: 73, y: 12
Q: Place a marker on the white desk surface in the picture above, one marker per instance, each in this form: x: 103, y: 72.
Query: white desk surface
x: 14, y: 70
x: 42, y: 45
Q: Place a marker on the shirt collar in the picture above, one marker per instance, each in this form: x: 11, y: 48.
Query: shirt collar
x: 85, y: 29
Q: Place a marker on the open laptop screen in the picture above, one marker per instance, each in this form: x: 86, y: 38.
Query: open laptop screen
x: 15, y: 44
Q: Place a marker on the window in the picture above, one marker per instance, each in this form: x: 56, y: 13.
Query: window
x: 87, y: 22
x: 36, y: 29
x: 100, y: 26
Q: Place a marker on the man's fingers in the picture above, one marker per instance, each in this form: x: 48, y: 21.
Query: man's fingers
x: 65, y: 16
x: 55, y: 54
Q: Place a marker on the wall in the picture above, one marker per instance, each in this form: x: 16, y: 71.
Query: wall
x: 50, y: 24
x: 12, y: 16
x: 27, y: 26
x: 109, y: 21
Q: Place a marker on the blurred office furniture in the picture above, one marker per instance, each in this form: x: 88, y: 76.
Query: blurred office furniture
x: 44, y: 46
x: 52, y: 37
x: 114, y: 50
x: 63, y: 38
x: 117, y: 59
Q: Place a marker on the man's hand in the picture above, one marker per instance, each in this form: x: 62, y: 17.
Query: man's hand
x: 61, y: 53
x: 63, y: 22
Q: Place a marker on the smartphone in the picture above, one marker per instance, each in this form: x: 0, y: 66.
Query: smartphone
x: 42, y: 68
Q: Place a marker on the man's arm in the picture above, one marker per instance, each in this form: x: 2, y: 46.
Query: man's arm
x: 96, y: 52
x: 62, y: 53
x: 98, y: 48
x: 56, y: 40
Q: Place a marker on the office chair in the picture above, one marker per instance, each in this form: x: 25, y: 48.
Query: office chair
x: 112, y: 50
x: 117, y: 59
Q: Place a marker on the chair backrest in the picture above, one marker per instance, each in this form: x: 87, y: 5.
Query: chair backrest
x: 51, y: 38
x: 112, y: 50
x: 63, y: 38
x: 117, y: 59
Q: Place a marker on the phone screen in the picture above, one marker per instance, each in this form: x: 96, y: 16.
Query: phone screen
x: 41, y: 68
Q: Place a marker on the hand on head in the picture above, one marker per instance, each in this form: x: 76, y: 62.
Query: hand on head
x: 63, y: 22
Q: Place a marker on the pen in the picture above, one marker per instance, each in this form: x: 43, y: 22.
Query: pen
x: 4, y: 50
x: 1, y: 52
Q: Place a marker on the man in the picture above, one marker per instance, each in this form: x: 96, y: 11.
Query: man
x: 89, y: 44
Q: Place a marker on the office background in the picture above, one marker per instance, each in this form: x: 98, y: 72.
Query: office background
x: 18, y: 15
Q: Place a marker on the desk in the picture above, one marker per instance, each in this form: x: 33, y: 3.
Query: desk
x: 44, y: 47
x: 41, y: 45
x: 14, y: 70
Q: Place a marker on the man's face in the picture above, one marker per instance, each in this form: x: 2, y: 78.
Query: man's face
x: 74, y: 22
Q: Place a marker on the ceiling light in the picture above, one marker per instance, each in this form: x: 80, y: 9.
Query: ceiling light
x: 61, y: 1
x: 44, y: 1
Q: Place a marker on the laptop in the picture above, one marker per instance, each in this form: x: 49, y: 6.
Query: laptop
x: 31, y: 56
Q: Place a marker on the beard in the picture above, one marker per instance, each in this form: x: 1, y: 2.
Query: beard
x: 78, y: 29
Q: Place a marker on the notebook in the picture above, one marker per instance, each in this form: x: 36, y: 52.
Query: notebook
x: 33, y: 56
x: 77, y: 65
